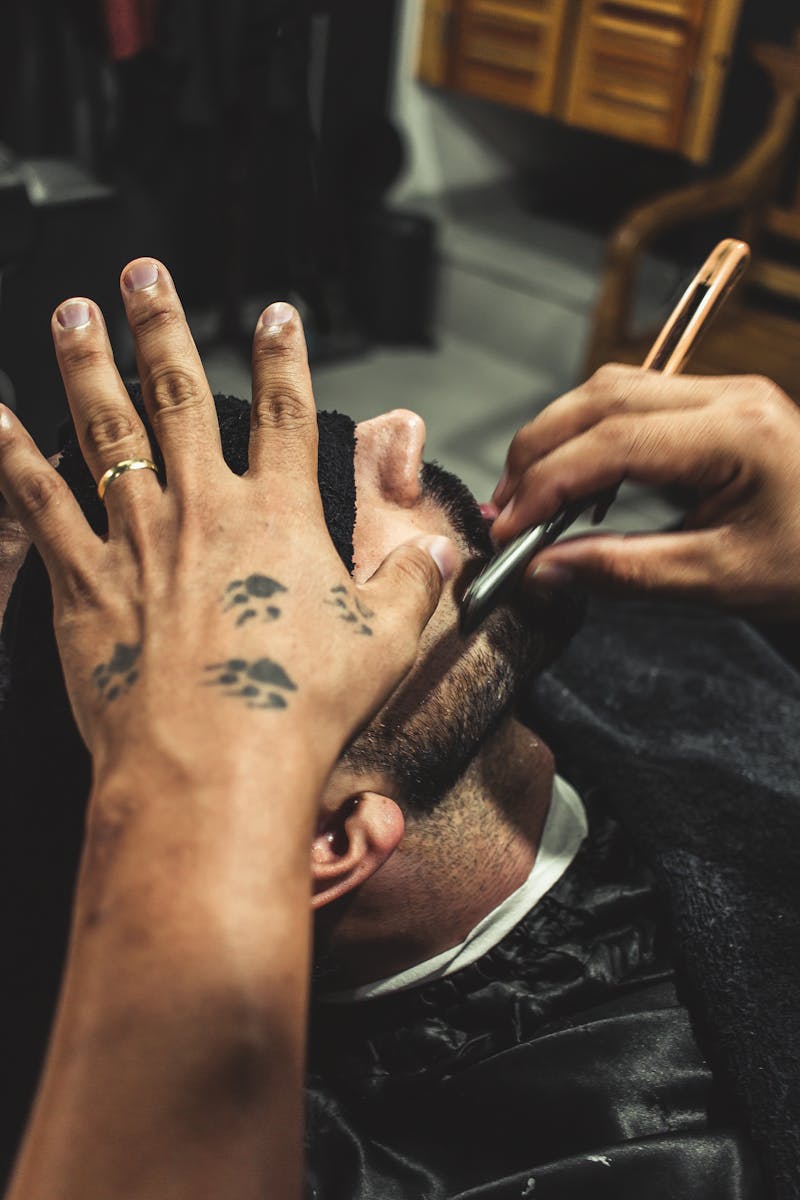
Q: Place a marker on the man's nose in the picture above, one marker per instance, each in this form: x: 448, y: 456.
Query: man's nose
x: 389, y: 454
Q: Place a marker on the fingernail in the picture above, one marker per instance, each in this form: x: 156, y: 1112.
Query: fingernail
x: 276, y: 316
x: 443, y: 553
x: 488, y: 511
x: 551, y: 576
x: 5, y: 418
x: 140, y: 275
x: 501, y: 487
x: 73, y: 314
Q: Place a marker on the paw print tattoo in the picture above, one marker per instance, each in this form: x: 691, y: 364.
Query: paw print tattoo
x: 255, y: 682
x: 119, y: 674
x: 351, y: 610
x: 254, y: 591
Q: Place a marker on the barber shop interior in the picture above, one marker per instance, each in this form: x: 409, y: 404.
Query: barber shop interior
x: 400, y: 461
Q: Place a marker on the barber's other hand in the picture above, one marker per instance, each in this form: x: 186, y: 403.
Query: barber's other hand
x: 734, y: 441
x: 207, y: 627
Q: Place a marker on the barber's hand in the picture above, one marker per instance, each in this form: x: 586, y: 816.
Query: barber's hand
x: 734, y: 441
x: 217, y: 613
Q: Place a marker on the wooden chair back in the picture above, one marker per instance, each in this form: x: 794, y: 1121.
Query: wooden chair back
x: 758, y: 332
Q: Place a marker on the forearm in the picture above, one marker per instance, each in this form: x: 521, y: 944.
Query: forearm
x: 194, y: 627
x: 175, y: 1063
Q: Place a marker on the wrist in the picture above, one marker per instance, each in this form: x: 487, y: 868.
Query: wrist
x: 156, y: 822
x: 235, y: 761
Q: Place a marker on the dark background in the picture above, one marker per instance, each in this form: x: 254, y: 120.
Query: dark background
x: 250, y: 148
x: 203, y: 152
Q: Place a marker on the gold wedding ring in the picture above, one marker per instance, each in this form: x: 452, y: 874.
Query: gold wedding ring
x: 127, y: 464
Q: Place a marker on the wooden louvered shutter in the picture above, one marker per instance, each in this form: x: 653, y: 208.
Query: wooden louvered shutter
x: 650, y: 71
x: 508, y: 50
x: 640, y: 67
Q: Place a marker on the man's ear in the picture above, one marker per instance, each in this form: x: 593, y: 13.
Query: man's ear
x: 352, y: 843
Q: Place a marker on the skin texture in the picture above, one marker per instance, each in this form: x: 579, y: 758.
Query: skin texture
x: 181, y: 1022
x: 734, y: 443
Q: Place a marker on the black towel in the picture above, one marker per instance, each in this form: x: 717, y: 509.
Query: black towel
x: 692, y: 722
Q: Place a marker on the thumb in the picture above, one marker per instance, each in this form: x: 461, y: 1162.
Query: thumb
x: 661, y: 564
x: 409, y: 580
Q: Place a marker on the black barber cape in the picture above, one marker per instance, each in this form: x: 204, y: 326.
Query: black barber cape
x: 638, y: 1033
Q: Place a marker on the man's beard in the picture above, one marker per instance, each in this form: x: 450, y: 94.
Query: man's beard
x: 432, y: 727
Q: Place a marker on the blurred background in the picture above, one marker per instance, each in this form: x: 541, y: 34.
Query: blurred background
x: 472, y: 202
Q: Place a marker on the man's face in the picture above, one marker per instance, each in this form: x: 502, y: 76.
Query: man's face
x: 432, y: 725
x: 395, y: 501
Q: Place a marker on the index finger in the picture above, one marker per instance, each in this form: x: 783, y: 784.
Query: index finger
x: 692, y: 448
x: 613, y: 390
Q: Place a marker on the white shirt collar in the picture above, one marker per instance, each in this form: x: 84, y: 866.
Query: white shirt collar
x: 564, y: 829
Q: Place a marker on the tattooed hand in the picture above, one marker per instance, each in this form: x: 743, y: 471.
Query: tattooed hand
x: 730, y: 443
x: 216, y: 619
